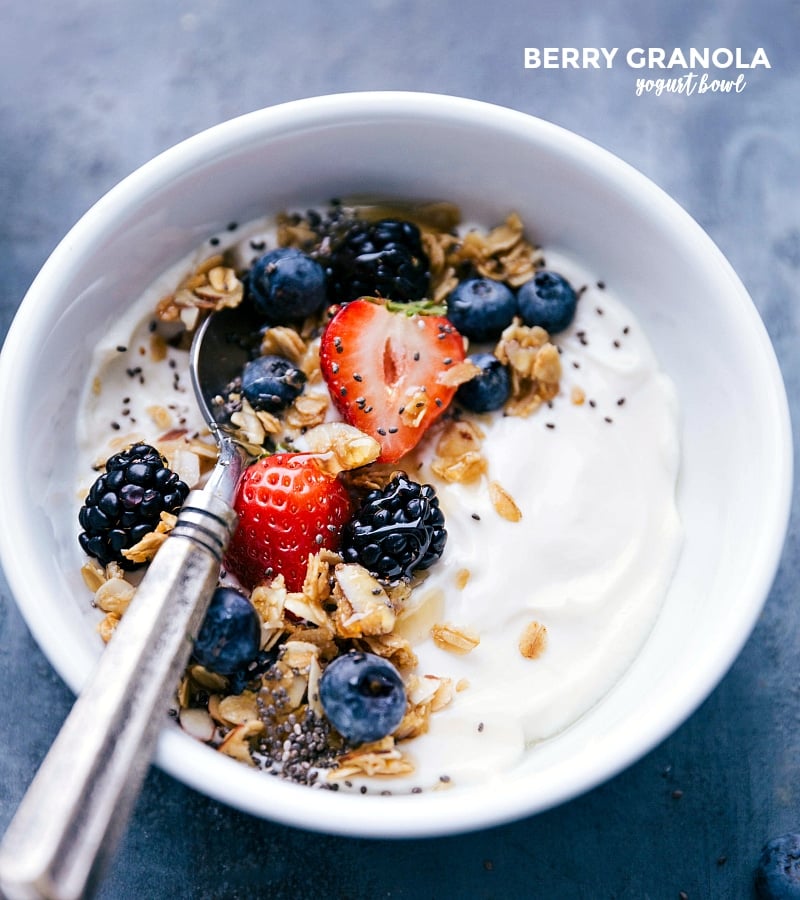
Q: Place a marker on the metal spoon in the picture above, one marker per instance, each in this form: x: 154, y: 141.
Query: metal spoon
x: 76, y: 809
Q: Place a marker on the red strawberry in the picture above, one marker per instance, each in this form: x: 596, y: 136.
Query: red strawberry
x: 288, y: 508
x: 382, y: 367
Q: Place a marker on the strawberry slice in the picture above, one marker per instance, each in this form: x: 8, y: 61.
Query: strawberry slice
x: 382, y: 369
x: 288, y: 509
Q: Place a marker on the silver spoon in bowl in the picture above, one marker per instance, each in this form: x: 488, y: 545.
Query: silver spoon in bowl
x: 77, y: 807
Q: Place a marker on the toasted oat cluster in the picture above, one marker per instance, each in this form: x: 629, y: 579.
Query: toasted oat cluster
x: 269, y: 714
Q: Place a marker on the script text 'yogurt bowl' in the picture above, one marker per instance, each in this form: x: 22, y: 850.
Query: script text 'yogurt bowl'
x: 734, y: 486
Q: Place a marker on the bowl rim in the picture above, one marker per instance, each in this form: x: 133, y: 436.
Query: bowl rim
x: 328, y: 811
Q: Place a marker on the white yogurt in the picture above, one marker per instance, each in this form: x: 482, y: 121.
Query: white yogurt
x: 591, y: 558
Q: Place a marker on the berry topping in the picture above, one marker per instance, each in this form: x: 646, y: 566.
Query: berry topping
x: 379, y: 259
x: 547, y: 300
x: 363, y: 696
x: 230, y: 635
x: 397, y: 530
x: 271, y: 383
x: 288, y: 509
x: 489, y: 389
x: 383, y: 368
x: 286, y: 285
x: 481, y: 308
x: 778, y: 872
x: 125, y: 503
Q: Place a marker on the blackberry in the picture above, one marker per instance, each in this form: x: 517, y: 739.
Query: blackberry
x: 378, y: 259
x: 397, y: 530
x: 125, y: 503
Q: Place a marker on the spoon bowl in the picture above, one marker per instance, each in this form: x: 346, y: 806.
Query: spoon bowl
x: 224, y: 342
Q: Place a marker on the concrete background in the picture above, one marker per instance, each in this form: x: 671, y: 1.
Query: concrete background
x: 93, y: 88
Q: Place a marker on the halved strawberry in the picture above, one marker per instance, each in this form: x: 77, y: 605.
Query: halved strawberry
x: 382, y: 370
x: 288, y: 508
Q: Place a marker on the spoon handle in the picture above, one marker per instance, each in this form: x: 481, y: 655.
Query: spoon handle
x: 78, y: 805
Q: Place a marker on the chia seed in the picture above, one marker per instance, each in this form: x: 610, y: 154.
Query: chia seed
x: 298, y: 746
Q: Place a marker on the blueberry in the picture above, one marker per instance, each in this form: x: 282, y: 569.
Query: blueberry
x: 547, y: 300
x: 230, y: 635
x: 481, y: 308
x: 778, y: 872
x: 363, y: 696
x: 271, y: 383
x: 489, y: 389
x: 286, y: 285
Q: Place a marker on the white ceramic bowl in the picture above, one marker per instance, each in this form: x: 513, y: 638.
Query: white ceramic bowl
x: 735, y: 480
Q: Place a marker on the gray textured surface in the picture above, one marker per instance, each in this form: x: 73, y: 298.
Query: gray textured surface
x: 92, y: 89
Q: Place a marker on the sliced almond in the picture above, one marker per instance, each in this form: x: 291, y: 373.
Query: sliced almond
x: 364, y: 607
